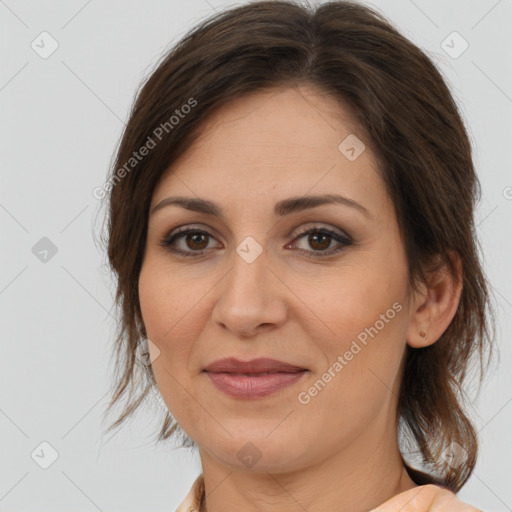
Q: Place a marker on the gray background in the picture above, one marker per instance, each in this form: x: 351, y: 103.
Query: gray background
x: 61, y: 118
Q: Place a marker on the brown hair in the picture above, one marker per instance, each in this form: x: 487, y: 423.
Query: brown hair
x: 413, y: 126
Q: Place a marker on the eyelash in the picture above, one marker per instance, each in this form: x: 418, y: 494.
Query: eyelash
x: 344, y: 240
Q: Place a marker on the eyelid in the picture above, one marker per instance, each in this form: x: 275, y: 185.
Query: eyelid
x: 191, y: 227
x: 321, y: 227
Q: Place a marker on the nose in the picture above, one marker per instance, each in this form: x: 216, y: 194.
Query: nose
x: 250, y: 298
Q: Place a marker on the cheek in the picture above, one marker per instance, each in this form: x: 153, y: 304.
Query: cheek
x: 357, y: 314
x: 349, y: 300
x: 168, y: 307
x: 173, y: 316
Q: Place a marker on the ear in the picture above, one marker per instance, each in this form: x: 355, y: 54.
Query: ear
x: 434, y: 306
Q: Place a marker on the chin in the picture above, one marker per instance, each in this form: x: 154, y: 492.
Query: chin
x: 258, y: 452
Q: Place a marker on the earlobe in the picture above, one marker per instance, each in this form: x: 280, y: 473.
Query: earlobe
x: 419, y: 333
x: 435, y: 305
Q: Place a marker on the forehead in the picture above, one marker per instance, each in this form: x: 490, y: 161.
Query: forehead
x: 276, y: 143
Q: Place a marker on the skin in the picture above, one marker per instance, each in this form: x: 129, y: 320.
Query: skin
x: 339, y: 451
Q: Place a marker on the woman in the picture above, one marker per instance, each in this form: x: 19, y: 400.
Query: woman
x: 291, y: 228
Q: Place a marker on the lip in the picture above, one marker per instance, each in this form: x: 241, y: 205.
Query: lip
x: 252, y: 379
x: 260, y: 365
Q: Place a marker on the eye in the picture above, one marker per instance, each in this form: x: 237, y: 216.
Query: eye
x: 195, y: 241
x: 194, y: 238
x: 320, y: 240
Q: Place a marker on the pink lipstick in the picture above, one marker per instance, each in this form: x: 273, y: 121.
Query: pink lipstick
x: 252, y: 379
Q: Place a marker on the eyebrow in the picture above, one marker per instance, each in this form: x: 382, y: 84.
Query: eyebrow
x: 282, y: 208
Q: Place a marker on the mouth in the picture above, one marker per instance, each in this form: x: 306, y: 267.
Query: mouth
x: 253, y: 379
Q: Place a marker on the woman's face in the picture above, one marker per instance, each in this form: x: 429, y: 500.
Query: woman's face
x: 250, y: 284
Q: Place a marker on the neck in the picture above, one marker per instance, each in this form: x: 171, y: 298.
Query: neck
x: 357, y: 478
